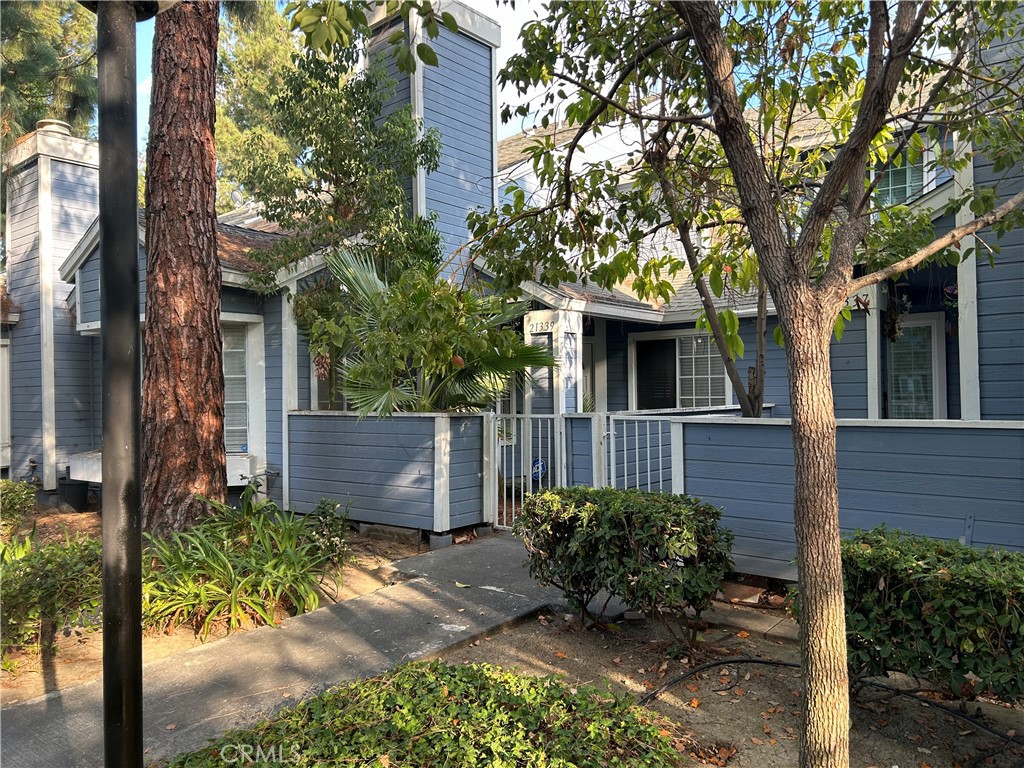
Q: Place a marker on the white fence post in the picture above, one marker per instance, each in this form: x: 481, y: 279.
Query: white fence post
x: 599, y: 461
x: 442, y: 464
x: 678, y: 458
x: 611, y: 452
x: 490, y: 473
x: 560, y: 437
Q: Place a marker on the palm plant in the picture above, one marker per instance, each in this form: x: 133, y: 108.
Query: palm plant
x: 420, y: 343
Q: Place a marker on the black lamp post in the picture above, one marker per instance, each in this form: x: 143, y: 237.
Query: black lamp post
x: 122, y: 380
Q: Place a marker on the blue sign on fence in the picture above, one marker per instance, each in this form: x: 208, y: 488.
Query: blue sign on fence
x: 539, y: 469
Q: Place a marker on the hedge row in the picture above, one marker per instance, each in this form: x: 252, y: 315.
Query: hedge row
x: 935, y: 610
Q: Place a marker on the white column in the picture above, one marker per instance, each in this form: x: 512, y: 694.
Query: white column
x: 967, y: 310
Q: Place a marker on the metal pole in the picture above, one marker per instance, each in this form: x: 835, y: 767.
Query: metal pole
x: 122, y: 384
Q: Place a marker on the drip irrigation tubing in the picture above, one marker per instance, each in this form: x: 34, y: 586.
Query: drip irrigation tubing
x: 649, y: 697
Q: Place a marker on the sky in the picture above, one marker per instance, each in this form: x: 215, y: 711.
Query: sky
x: 511, y: 20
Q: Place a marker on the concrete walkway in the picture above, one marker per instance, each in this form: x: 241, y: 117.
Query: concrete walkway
x: 199, y: 694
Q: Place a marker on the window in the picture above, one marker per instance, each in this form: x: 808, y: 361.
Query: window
x: 900, y: 184
x: 678, y: 370
x: 917, y: 365
x: 236, y: 409
x: 909, y: 180
x: 327, y: 393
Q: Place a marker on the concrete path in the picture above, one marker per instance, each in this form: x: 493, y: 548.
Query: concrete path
x: 199, y: 694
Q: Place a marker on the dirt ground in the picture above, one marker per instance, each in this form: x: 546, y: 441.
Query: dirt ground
x: 737, y: 715
x: 743, y: 715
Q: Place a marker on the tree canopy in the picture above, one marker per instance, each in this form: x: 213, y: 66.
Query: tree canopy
x: 48, y: 66
x: 772, y: 126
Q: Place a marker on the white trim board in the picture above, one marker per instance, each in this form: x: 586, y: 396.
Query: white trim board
x: 46, y: 324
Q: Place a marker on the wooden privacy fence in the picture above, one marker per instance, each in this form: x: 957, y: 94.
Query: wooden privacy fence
x: 438, y: 472
x: 949, y: 479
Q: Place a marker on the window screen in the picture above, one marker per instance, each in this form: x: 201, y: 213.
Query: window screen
x: 236, y: 410
x: 701, y: 373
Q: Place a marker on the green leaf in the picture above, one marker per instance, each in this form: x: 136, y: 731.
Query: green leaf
x: 426, y: 54
x: 449, y: 22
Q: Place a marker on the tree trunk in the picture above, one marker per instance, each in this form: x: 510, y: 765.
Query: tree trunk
x: 183, y: 381
x: 826, y: 721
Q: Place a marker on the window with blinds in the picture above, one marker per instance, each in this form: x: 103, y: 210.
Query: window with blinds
x: 701, y: 372
x: 682, y: 371
x: 236, y: 407
x: 916, y: 384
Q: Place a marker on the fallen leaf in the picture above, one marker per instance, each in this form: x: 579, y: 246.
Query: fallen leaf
x: 616, y: 660
x: 461, y: 610
x: 767, y: 729
x: 385, y: 760
x: 663, y: 733
x: 694, y: 703
x: 692, y: 688
x: 648, y: 685
x: 170, y: 727
x: 742, y: 634
x: 757, y: 741
x: 559, y: 655
x: 460, y: 584
x: 773, y: 742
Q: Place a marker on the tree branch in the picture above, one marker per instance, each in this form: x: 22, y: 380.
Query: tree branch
x: 627, y: 70
x: 953, y: 236
x: 883, y: 80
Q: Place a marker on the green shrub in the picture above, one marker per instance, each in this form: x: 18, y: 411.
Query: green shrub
x: 48, y: 589
x: 935, y: 610
x: 16, y: 501
x: 239, y: 566
x: 328, y: 530
x: 434, y: 714
x: 658, y: 552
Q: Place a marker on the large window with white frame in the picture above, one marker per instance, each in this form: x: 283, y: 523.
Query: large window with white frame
x: 917, y: 369
x: 676, y: 369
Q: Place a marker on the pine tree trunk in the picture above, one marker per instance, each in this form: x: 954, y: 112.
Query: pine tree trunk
x: 826, y: 721
x: 183, y: 380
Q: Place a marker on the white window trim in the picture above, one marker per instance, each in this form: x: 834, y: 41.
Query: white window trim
x: 937, y: 322
x: 678, y: 333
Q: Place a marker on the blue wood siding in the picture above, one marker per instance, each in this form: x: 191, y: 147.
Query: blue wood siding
x: 382, y: 53
x: 1001, y: 309
x: 384, y: 469
x: 272, y: 349
x: 88, y: 289
x: 26, y: 350
x: 849, y: 370
x: 74, y: 206
x: 617, y: 356
x: 542, y: 393
x: 776, y: 383
x: 579, y: 450
x: 457, y: 102
x: 466, y: 471
x: 747, y: 471
x: 947, y: 482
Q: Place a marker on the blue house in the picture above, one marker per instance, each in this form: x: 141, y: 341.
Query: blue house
x: 928, y: 378
x: 51, y: 403
x: 928, y: 382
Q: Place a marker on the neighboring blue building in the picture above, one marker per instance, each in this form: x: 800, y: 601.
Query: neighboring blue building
x: 937, y: 343
x: 50, y: 343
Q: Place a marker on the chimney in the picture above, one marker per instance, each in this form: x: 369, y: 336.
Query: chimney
x: 58, y: 127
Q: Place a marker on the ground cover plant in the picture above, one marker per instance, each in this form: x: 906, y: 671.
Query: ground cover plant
x: 660, y: 553
x: 244, y: 566
x: 16, y: 501
x: 47, y: 589
x: 426, y: 714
